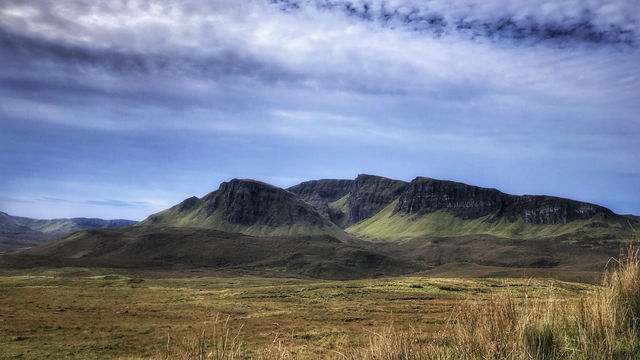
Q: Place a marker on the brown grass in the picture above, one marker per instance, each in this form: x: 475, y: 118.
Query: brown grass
x: 600, y: 325
x: 215, y: 341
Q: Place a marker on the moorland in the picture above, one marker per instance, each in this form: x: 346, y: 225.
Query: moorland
x: 360, y: 269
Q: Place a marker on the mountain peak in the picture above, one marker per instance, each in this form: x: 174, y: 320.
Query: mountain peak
x: 369, y: 177
x: 245, y: 182
x: 250, y: 207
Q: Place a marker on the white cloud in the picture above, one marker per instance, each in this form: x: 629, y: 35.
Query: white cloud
x: 331, y: 50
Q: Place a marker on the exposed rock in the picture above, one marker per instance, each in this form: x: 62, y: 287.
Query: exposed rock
x: 249, y: 207
x: 319, y: 193
x: 370, y: 194
x: 554, y: 210
x: 189, y: 203
x: 366, y: 195
x: 247, y: 202
x: 426, y: 195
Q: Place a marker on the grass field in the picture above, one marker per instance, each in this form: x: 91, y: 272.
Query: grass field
x: 79, y: 313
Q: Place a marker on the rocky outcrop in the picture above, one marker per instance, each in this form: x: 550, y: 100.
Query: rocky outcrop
x: 247, y: 202
x: 554, y: 210
x: 425, y: 195
x: 319, y: 193
x: 249, y: 207
x: 365, y: 196
x: 370, y: 194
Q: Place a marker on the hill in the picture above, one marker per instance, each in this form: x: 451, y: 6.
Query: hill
x: 318, y: 256
x: 378, y: 209
x: 19, y: 232
x: 249, y: 207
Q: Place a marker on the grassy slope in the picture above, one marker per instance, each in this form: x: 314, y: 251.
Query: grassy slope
x: 199, y: 218
x: 340, y: 204
x: 161, y: 247
x: 385, y: 226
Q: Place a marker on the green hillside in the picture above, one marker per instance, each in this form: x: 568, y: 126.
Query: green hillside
x: 388, y: 226
x: 249, y: 207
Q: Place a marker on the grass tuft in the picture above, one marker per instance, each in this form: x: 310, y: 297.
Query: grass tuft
x: 215, y: 341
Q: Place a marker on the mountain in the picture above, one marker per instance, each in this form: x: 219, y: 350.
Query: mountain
x: 346, y: 202
x: 152, y: 247
x: 377, y: 208
x: 249, y: 207
x: 18, y: 232
x: 326, y: 196
x: 342, y: 229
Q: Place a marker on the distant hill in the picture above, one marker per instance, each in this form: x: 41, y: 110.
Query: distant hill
x: 18, y: 232
x: 377, y: 208
x: 249, y: 207
x: 318, y: 256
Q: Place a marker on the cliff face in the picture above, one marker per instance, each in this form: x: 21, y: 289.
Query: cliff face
x: 249, y: 202
x: 554, y: 210
x: 370, y: 194
x: 425, y: 195
x: 319, y: 193
x: 249, y: 207
x: 346, y: 202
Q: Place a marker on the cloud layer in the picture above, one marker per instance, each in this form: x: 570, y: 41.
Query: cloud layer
x: 225, y: 86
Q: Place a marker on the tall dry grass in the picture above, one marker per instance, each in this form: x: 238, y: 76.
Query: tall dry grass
x: 215, y: 341
x: 602, y: 325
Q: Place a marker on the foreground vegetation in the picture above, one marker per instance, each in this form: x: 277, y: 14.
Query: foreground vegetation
x: 76, y: 313
x: 93, y: 313
x: 601, y: 324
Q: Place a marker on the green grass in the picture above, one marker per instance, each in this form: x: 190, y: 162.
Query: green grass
x: 340, y: 204
x: 385, y: 226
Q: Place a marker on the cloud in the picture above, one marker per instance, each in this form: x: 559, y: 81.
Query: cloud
x: 318, y: 45
x: 101, y: 202
x: 556, y: 22
x: 104, y: 91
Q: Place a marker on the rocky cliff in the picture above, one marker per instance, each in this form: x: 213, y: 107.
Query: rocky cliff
x: 346, y: 202
x: 369, y: 194
x: 425, y: 195
x: 320, y: 193
x: 249, y: 207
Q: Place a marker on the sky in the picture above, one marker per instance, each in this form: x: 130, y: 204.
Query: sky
x: 119, y: 109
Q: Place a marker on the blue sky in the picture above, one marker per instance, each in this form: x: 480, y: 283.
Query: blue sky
x: 119, y: 109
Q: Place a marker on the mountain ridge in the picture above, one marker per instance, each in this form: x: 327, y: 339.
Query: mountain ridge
x: 422, y: 204
x: 339, y: 229
x: 360, y: 207
x: 250, y: 207
x: 18, y: 231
